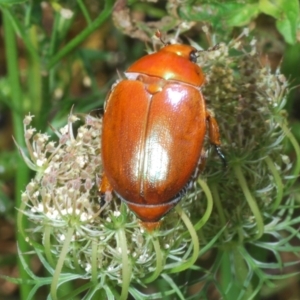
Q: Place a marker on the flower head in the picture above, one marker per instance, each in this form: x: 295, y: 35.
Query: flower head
x: 105, y: 242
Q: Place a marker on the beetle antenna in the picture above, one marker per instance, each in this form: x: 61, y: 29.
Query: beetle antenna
x: 119, y: 75
x: 177, y: 34
x: 158, y: 34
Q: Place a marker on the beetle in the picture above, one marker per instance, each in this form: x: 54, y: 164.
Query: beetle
x: 154, y: 124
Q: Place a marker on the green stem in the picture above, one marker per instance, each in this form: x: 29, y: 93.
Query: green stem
x: 19, y: 30
x: 225, y: 270
x: 46, y: 102
x: 20, y: 217
x: 84, y: 12
x: 94, y: 261
x: 74, y: 294
x: 234, y: 275
x: 22, y: 174
x: 74, y: 257
x: 251, y: 201
x: 217, y: 202
x: 60, y: 263
x: 209, y: 208
x: 47, y: 245
x: 278, y: 182
x: 241, y: 275
x: 295, y: 144
x: 54, y: 35
x: 34, y: 79
x: 195, y: 242
x: 126, y: 266
x: 82, y: 35
x: 159, y: 262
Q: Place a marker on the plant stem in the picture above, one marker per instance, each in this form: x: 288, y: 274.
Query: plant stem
x: 218, y: 205
x: 251, y: 201
x: 159, y: 262
x: 194, y: 239
x: 126, y: 264
x: 22, y: 174
x: 94, y: 261
x: 64, y: 252
x: 234, y: 275
x: 82, y: 35
x: 47, y: 245
x: 209, y: 208
x: 278, y: 182
x: 84, y: 11
x: 34, y: 79
x: 295, y: 144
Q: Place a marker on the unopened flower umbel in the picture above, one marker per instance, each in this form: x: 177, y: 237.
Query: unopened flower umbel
x: 104, y: 243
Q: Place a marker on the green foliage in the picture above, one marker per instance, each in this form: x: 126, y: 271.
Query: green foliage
x: 286, y: 14
x: 12, y: 2
x: 224, y: 15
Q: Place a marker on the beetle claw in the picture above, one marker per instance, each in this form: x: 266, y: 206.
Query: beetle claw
x: 221, y: 155
x: 105, y: 198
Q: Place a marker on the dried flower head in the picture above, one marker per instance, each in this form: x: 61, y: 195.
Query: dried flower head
x: 100, y: 240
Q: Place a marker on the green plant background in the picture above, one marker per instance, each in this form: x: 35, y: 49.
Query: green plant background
x: 50, y: 62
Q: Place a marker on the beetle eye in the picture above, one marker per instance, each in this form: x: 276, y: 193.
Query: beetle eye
x: 193, y: 56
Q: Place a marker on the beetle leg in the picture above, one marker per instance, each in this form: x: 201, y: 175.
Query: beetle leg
x: 214, y: 48
x: 105, y: 190
x: 202, y: 162
x: 214, y: 136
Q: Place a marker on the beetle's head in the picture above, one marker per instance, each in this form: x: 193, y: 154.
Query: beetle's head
x: 182, y: 50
